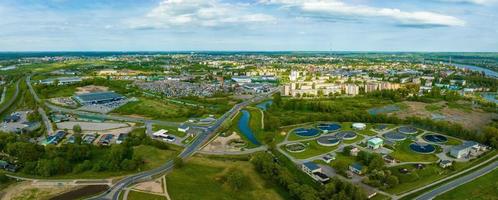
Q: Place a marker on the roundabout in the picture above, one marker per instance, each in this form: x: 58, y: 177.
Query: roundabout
x: 328, y: 141
x: 435, y: 138
x: 422, y: 148
x: 407, y: 130
x: 306, y: 132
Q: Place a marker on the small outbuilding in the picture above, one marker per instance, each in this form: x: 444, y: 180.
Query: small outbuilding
x: 356, y: 168
x: 359, y: 126
x: 375, y: 143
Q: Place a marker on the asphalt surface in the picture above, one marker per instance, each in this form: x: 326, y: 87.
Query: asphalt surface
x: 102, y: 116
x: 457, y: 182
x: 12, y: 100
x: 204, y: 136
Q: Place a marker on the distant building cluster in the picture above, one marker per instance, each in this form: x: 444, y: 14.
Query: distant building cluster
x: 327, y: 85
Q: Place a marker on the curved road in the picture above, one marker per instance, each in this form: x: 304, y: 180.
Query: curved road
x: 457, y: 182
x: 204, y: 136
x: 102, y: 116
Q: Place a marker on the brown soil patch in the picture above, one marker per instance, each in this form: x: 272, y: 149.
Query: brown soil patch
x: 471, y: 119
x: 84, y: 191
x: 154, y: 186
x: 26, y: 190
x: 90, y: 89
x: 221, y: 143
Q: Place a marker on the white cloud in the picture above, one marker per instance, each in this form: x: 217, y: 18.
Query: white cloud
x: 479, y: 2
x: 337, y: 8
x: 205, y: 13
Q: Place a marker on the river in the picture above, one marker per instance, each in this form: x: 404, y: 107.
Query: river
x: 488, y: 72
x: 244, y: 128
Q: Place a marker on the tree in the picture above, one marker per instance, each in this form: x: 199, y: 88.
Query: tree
x: 77, y: 128
x: 392, y: 181
x: 235, y: 179
x: 277, y: 99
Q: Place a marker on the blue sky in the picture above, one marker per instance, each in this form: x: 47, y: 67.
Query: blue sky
x: 253, y: 25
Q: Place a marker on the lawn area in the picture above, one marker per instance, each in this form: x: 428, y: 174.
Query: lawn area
x: 134, y: 195
x: 11, y: 89
x: 434, y: 107
x: 417, y: 177
x: 403, y: 153
x: 482, y: 188
x: 153, y: 109
x: 200, y: 178
x: 55, y: 91
x: 312, y: 149
x: 153, y: 157
x: 171, y: 130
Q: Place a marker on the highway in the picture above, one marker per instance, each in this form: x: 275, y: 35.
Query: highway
x: 204, y: 136
x: 457, y: 182
x: 113, y: 192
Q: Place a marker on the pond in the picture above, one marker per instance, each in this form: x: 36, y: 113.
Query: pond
x: 384, y: 109
x: 244, y: 128
x: 264, y: 105
x: 490, y: 96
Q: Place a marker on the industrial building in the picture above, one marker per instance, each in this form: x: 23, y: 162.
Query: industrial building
x: 98, y: 98
x: 61, y: 80
x: 465, y: 149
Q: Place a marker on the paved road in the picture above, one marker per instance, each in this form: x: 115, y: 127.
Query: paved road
x: 457, y: 182
x: 46, y: 121
x: 204, y: 136
x: 12, y: 100
x: 102, y: 116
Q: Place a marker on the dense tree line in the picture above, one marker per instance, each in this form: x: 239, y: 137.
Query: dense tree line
x: 54, y: 160
x: 271, y: 170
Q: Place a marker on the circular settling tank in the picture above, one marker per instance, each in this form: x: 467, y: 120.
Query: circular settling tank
x: 395, y: 136
x: 329, y: 127
x: 422, y: 148
x: 407, y: 130
x: 346, y: 135
x: 328, y: 141
x: 435, y: 138
x: 306, y: 132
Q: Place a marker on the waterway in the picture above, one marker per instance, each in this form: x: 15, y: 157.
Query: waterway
x: 490, y: 96
x: 244, y: 128
x: 488, y: 72
x: 264, y: 105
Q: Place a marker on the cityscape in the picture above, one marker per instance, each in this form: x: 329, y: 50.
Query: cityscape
x: 88, y: 112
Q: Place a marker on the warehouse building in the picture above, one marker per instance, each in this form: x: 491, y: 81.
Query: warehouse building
x: 61, y: 80
x: 98, y: 98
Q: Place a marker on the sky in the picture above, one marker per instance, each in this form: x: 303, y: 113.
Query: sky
x: 249, y: 25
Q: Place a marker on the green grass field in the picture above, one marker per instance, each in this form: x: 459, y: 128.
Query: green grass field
x: 482, y: 188
x: 405, y: 154
x: 134, y: 195
x: 200, y: 179
x: 417, y: 177
x: 153, y: 109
